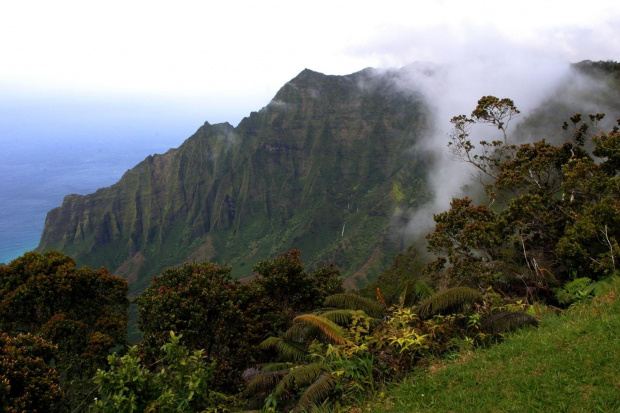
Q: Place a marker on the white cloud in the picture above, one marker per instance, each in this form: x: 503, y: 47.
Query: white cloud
x: 243, y: 51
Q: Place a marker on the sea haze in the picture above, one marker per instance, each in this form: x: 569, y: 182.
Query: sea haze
x: 49, y: 149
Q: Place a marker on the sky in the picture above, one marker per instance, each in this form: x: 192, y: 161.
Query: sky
x: 85, y: 78
x: 218, y: 61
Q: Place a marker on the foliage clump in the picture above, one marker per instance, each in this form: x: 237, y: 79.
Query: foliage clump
x: 225, y: 318
x: 179, y: 381
x: 28, y: 380
x: 552, y: 214
x: 82, y: 312
x: 338, y: 356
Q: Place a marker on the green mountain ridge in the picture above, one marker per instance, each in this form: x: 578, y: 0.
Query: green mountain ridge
x: 326, y: 167
x: 330, y: 166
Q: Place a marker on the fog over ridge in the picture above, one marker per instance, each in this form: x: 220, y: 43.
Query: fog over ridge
x: 453, y: 88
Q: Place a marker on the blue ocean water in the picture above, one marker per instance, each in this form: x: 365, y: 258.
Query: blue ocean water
x: 36, y: 175
x: 48, y: 152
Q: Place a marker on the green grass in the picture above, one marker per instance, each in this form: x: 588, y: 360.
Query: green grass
x: 570, y: 364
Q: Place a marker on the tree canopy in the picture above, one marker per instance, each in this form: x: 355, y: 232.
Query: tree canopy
x: 80, y: 311
x: 552, y: 211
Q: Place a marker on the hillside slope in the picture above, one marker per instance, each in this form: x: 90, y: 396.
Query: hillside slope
x: 570, y: 364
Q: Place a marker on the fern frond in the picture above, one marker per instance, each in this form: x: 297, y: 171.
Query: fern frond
x: 271, y: 367
x: 317, y: 392
x: 265, y: 382
x: 578, y: 284
x: 344, y: 317
x: 297, y: 332
x: 506, y: 321
x: 287, y: 349
x: 603, y: 285
x: 411, y: 292
x: 447, y: 301
x: 327, y: 329
x: 355, y: 302
x: 299, y: 377
x: 338, y: 316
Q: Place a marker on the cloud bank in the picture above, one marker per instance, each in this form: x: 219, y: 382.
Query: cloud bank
x: 465, y: 68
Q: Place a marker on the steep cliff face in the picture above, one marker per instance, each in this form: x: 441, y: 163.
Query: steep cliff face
x: 329, y: 167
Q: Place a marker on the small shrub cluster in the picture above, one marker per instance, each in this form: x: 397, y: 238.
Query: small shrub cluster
x: 338, y: 356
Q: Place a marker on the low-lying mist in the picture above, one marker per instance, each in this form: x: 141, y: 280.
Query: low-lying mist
x: 546, y: 91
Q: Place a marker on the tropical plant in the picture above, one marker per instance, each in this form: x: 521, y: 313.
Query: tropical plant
x: 321, y: 359
x: 504, y: 322
x: 552, y: 210
x: 28, y: 380
x: 353, y: 301
x: 448, y: 301
x: 80, y: 310
x: 180, y: 381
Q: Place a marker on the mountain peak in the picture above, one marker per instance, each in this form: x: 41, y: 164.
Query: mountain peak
x: 326, y: 151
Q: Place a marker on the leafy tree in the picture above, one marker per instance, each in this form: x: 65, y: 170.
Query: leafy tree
x: 326, y: 281
x: 225, y: 318
x: 180, y: 381
x: 553, y: 209
x: 202, y: 302
x: 291, y: 287
x: 80, y: 310
x: 28, y: 382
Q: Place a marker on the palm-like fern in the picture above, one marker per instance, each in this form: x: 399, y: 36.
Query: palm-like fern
x: 345, y: 317
x: 299, y: 377
x: 327, y: 329
x: 283, y: 383
x: 355, y: 302
x: 265, y: 381
x: 447, y: 301
x: 316, y: 392
x: 573, y: 291
x: 339, y: 316
x: 282, y: 380
x: 411, y: 292
x: 506, y: 321
x: 288, y: 349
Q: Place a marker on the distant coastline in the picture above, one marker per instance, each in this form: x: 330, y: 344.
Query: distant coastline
x: 36, y: 174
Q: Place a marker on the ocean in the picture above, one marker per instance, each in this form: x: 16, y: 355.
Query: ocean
x: 49, y: 153
x: 35, y: 176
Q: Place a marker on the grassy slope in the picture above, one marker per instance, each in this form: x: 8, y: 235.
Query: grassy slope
x: 570, y: 364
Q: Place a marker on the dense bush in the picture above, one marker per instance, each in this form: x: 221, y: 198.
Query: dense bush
x: 225, y: 318
x: 28, y: 381
x: 81, y: 311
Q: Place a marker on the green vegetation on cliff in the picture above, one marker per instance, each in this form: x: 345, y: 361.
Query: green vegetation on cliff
x: 331, y: 166
x: 326, y: 167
